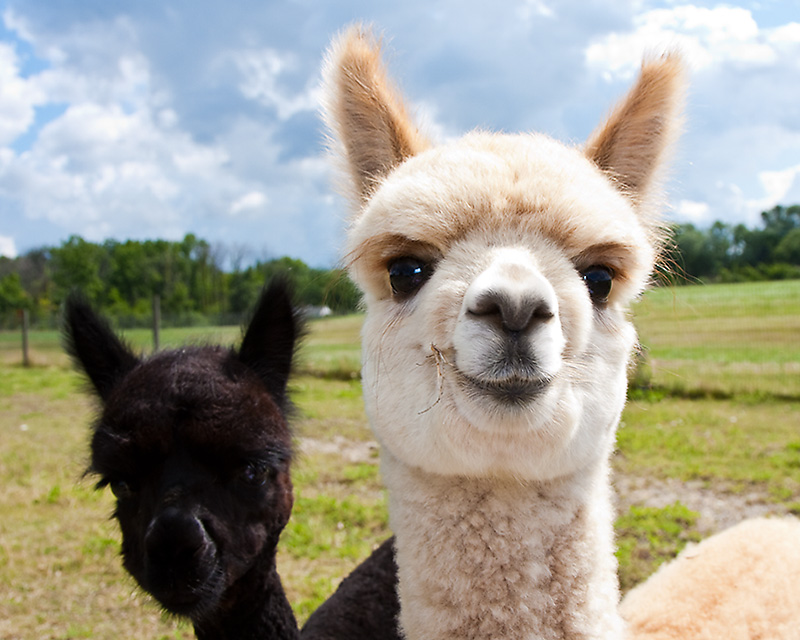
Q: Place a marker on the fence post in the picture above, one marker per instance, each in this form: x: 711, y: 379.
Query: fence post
x: 26, y: 361
x: 156, y: 322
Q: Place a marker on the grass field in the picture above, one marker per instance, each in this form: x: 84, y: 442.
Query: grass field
x: 725, y: 413
x: 724, y: 340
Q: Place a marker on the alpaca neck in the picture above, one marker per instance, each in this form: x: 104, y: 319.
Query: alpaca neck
x: 254, y: 608
x: 503, y: 559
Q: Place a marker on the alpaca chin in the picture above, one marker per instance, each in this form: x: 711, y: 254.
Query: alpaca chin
x: 462, y: 435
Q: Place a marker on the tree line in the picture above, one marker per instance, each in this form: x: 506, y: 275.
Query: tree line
x: 194, y: 287
x: 188, y: 276
x: 736, y: 253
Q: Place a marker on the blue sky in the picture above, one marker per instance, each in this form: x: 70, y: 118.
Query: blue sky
x: 154, y: 119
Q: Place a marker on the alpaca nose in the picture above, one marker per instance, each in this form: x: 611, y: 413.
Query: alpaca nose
x: 175, y: 538
x: 511, y: 294
x: 513, y: 314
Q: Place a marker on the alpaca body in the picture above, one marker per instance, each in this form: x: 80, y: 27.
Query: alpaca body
x: 496, y: 272
x: 741, y: 584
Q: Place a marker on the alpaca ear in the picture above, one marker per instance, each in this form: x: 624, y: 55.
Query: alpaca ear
x: 95, y: 347
x: 269, y: 341
x: 632, y: 144
x: 364, y: 112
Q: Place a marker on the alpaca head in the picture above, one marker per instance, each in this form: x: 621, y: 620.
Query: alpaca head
x: 496, y: 272
x: 195, y: 446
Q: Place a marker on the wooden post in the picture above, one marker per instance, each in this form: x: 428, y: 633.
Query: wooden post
x: 26, y: 361
x: 156, y: 322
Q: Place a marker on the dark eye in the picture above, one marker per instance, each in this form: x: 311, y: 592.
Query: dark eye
x: 256, y: 474
x: 406, y: 275
x: 598, y: 280
x: 121, y: 489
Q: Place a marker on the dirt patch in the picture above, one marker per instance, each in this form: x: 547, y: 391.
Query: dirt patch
x: 353, y: 451
x: 718, y: 508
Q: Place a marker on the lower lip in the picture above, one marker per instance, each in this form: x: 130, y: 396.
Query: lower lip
x: 515, y: 393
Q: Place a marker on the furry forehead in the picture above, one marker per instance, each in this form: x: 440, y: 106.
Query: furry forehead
x: 525, y: 185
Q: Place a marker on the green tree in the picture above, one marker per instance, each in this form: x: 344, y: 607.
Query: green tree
x: 12, y: 295
x: 78, y: 264
x: 134, y: 271
x: 243, y: 289
x: 788, y: 249
x: 692, y: 253
x: 341, y: 295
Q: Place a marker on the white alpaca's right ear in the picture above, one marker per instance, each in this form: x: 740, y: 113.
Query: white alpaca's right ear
x: 364, y: 112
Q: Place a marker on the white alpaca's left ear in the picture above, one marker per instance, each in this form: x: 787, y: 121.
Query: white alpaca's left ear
x: 365, y: 113
x: 631, y: 146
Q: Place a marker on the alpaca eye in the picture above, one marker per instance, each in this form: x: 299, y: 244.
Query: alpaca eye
x: 406, y: 275
x: 598, y: 279
x: 121, y: 489
x: 256, y: 474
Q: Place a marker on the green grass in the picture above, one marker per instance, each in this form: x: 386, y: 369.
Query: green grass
x: 332, y: 348
x: 725, y: 413
x: 735, y: 443
x: 315, y: 396
x: 649, y: 536
x: 723, y: 339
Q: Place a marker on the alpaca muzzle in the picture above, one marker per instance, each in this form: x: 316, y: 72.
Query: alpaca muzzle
x: 180, y: 561
x: 508, y: 340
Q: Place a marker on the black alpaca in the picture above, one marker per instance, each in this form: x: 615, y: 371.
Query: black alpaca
x: 195, y: 445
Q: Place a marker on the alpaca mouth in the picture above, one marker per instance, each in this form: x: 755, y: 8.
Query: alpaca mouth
x: 511, y: 390
x: 190, y: 595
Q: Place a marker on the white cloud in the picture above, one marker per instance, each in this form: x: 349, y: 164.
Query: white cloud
x: 776, y: 185
x: 248, y: 202
x: 7, y: 247
x: 695, y: 212
x: 197, y: 159
x: 18, y: 97
x: 706, y: 37
x: 98, y: 170
x: 786, y: 35
x: 261, y: 71
x: 532, y: 9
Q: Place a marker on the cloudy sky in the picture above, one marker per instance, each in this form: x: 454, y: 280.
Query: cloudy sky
x: 152, y: 119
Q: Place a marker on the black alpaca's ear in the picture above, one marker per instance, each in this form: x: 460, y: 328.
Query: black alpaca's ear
x: 270, y: 339
x: 95, y: 347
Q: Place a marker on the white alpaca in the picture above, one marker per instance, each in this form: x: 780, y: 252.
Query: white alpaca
x: 496, y: 271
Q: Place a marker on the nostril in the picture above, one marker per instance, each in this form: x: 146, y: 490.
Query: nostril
x: 489, y: 304
x: 543, y: 312
x: 514, y: 314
